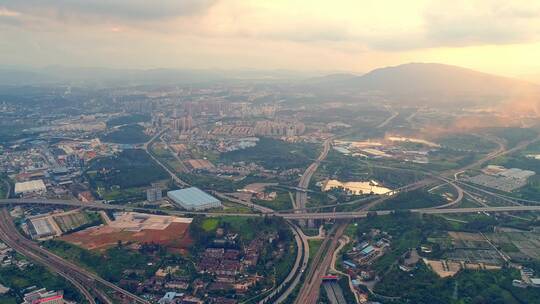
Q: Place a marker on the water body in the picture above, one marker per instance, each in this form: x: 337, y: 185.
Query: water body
x: 356, y: 188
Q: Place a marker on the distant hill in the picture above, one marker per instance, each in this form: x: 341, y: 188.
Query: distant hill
x: 430, y: 82
x: 331, y: 78
x: 53, y: 75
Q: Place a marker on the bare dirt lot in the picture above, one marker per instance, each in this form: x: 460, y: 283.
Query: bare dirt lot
x: 447, y: 268
x: 174, y: 237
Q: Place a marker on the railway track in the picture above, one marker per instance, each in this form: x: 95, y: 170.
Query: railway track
x: 6, y: 232
x: 82, y: 278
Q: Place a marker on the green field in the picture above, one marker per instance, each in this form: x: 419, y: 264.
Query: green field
x: 282, y: 201
x: 314, y: 246
x: 275, y: 260
x: 412, y: 200
x: 4, y: 186
x: 118, y: 176
x: 275, y: 154
x: 165, y: 156
x: 513, y: 136
x: 424, y: 286
x: 467, y: 142
x: 349, y: 168
x: 210, y: 224
x: 203, y: 229
x: 17, y: 280
x: 111, y: 263
x: 231, y: 207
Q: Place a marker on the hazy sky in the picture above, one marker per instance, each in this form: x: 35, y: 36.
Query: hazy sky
x: 498, y: 36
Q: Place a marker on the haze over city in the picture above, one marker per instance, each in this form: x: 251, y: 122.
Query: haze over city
x: 269, y: 152
x: 500, y: 37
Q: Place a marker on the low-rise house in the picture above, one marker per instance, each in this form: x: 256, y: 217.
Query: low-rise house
x: 182, y: 285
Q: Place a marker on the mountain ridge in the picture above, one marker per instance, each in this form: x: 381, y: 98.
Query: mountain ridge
x: 432, y: 81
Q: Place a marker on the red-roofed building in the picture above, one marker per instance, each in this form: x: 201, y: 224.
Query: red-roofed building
x: 86, y: 196
x: 42, y: 296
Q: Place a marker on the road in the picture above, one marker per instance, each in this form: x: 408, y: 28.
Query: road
x: 500, y: 151
x: 294, y: 276
x: 324, y: 257
x: 6, y: 235
x: 303, y: 184
x: 362, y: 214
x: 309, y: 293
x: 388, y: 120
x: 250, y: 205
x: 102, y: 206
x: 334, y: 293
x: 299, y: 207
x: 147, y: 146
x: 310, y: 290
x: 67, y: 269
x: 290, y: 215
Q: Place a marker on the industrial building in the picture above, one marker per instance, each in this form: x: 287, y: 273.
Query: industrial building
x: 193, y: 199
x: 33, y: 186
x: 517, y: 173
x: 501, y: 178
x: 42, y: 227
x: 44, y: 296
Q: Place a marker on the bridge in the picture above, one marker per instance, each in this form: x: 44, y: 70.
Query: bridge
x: 289, y: 215
x: 362, y: 214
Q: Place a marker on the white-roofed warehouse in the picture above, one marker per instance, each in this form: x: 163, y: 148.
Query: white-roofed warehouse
x: 193, y: 199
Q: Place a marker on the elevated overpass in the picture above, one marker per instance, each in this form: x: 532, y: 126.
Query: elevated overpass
x: 362, y: 214
x: 288, y: 215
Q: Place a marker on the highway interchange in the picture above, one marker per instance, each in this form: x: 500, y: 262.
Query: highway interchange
x: 87, y: 282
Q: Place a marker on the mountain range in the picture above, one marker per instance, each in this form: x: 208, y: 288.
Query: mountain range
x: 428, y: 81
x: 417, y: 83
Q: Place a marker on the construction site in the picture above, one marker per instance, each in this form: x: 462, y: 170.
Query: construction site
x: 135, y: 229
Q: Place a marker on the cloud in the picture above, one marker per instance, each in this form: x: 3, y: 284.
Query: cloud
x: 477, y: 22
x: 341, y: 34
x: 113, y: 10
x: 409, y: 25
x: 4, y: 12
x: 9, y: 17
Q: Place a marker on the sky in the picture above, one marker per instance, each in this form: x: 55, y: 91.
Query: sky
x: 494, y: 36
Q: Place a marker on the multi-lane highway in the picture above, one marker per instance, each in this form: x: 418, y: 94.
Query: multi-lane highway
x: 148, y: 147
x: 288, y: 215
x: 103, y: 206
x: 387, y: 121
x: 362, y: 214
x: 310, y: 290
x: 81, y: 278
x: 308, y: 294
x: 303, y: 184
x: 334, y: 293
x: 285, y: 288
x: 312, y: 283
x: 8, y: 235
